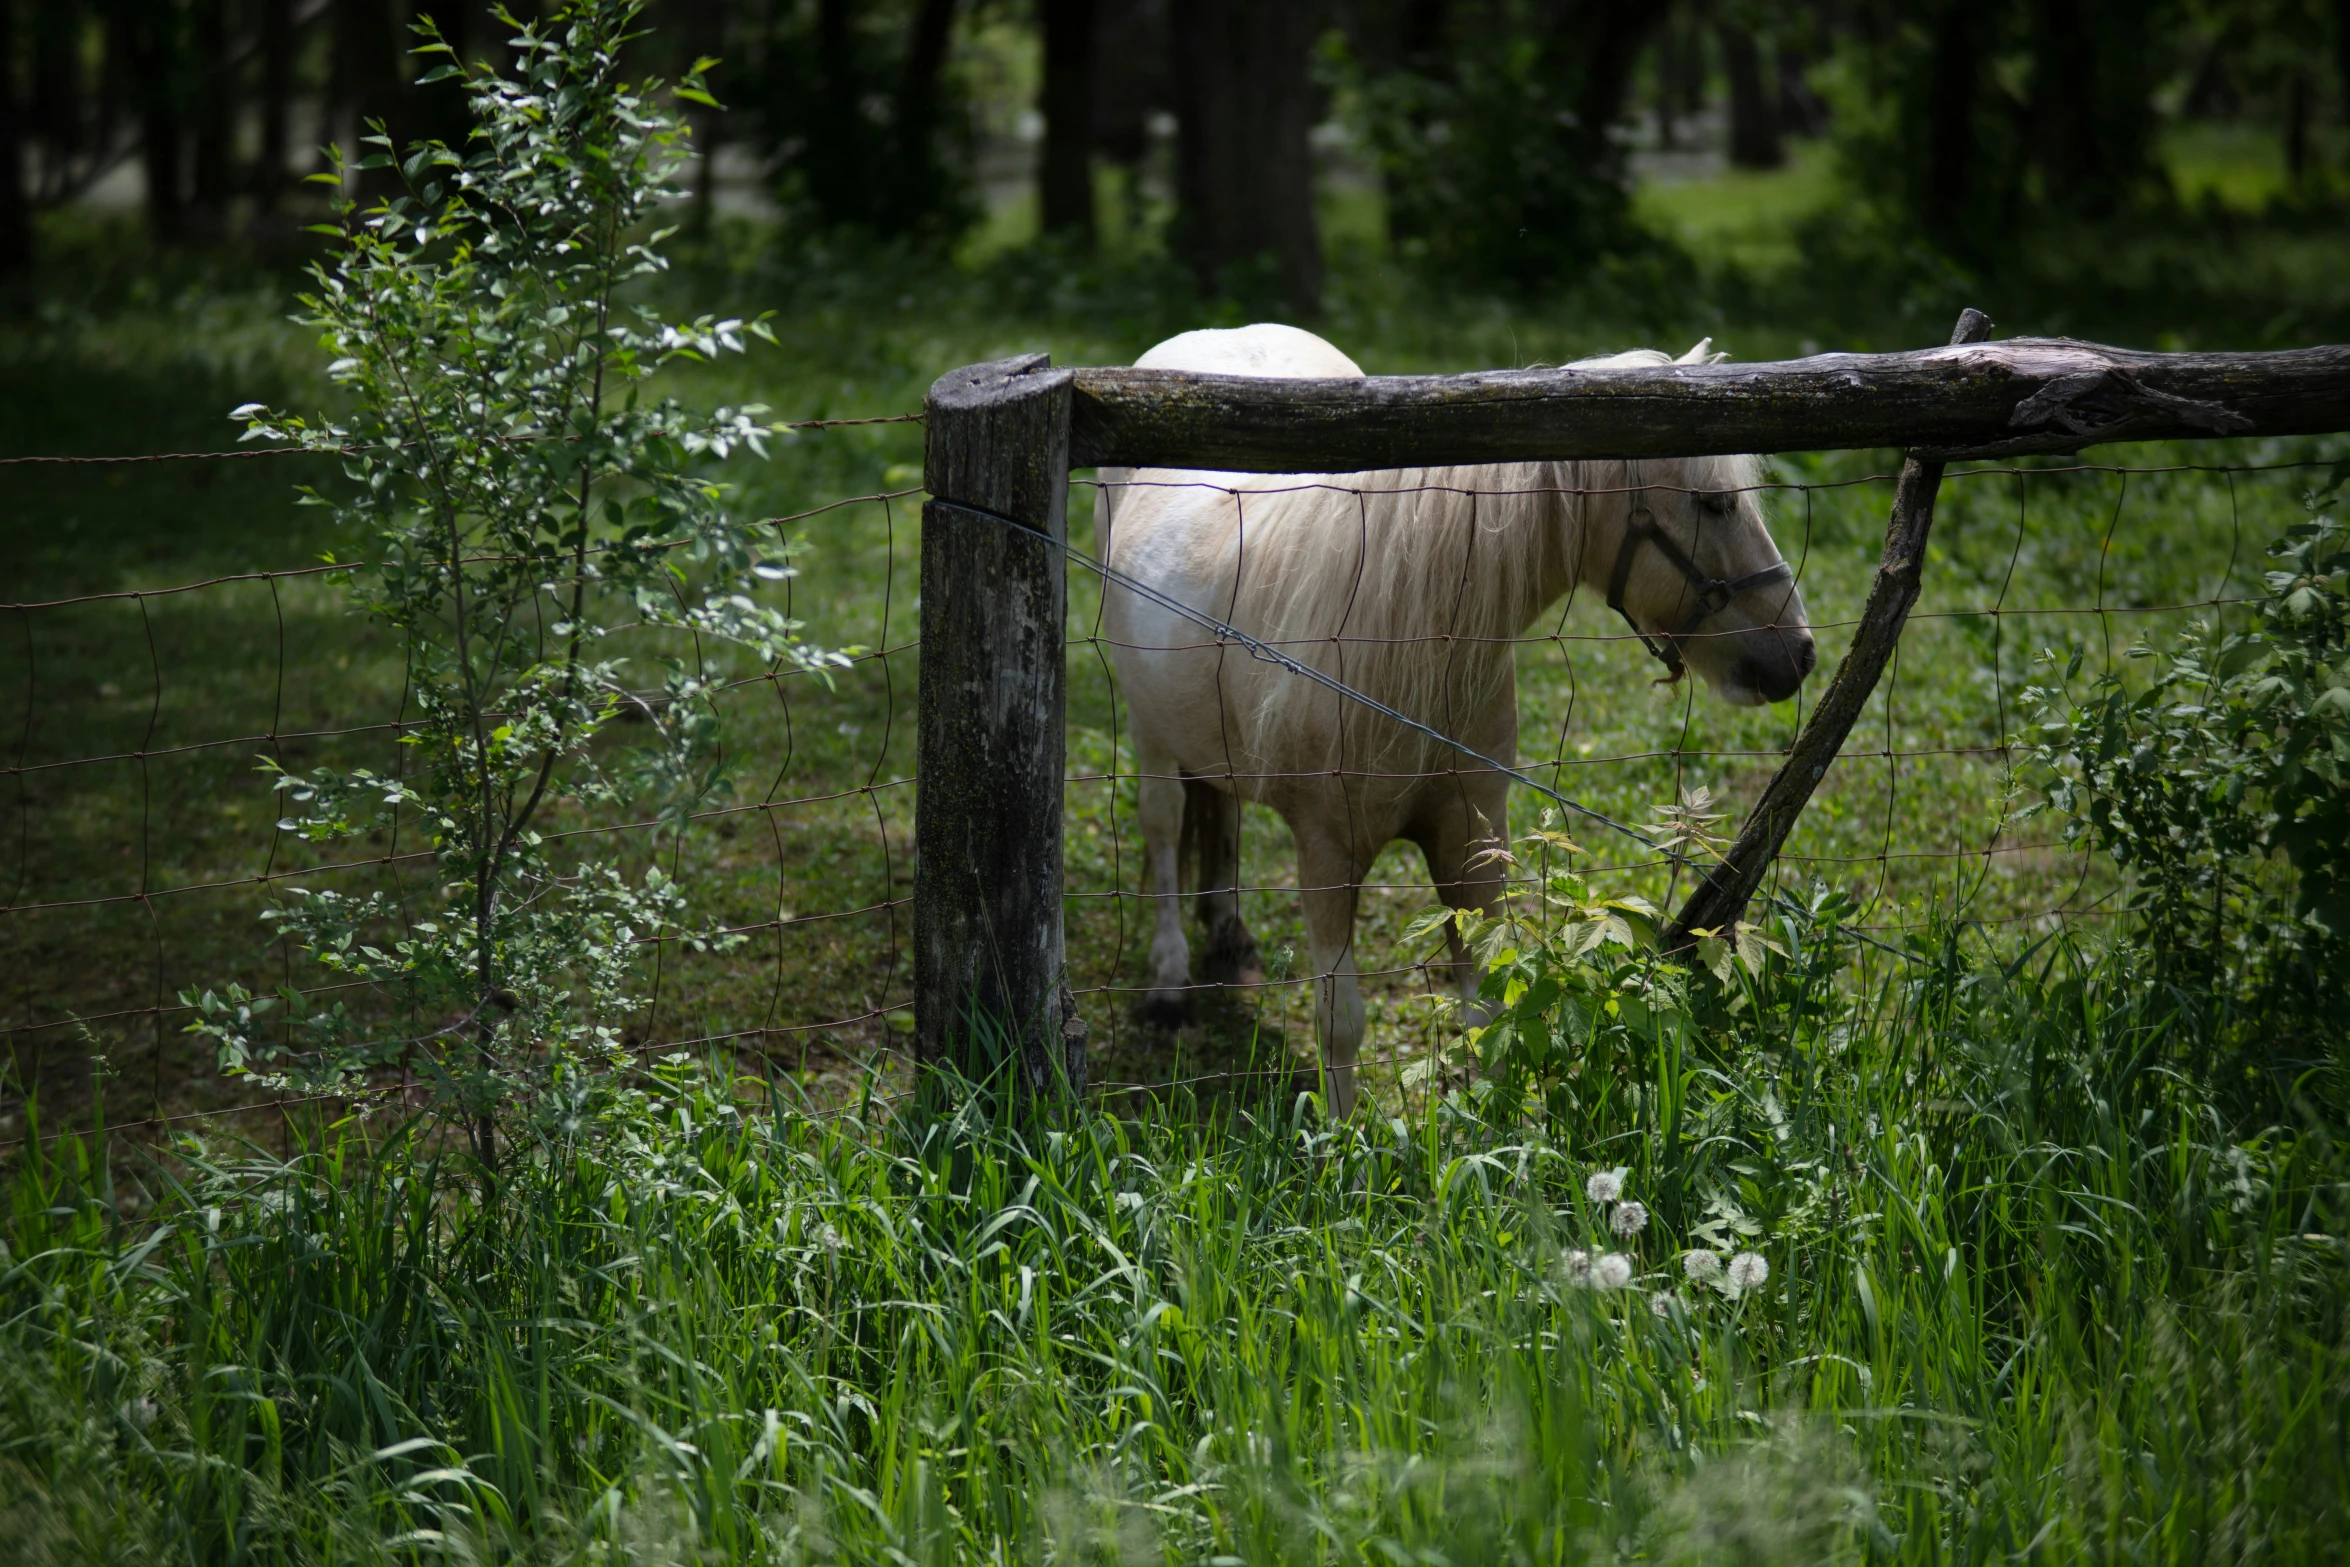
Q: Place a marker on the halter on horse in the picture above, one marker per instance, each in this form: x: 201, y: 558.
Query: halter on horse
x: 1713, y: 593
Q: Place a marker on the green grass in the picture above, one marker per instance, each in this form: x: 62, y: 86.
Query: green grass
x: 1747, y: 218
x: 2028, y: 1300
x: 2243, y: 166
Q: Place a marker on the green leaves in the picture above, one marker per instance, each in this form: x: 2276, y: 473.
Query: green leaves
x: 2238, y: 747
x: 1746, y: 944
x: 1567, y: 990
x: 525, y: 513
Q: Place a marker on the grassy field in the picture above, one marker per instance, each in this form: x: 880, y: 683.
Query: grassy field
x: 2056, y: 1266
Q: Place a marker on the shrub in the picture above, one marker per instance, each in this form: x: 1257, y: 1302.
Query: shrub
x: 2233, y: 757
x: 1498, y: 158
x: 521, y: 506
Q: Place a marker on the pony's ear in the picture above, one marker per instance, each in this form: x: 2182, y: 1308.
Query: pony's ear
x: 1699, y: 354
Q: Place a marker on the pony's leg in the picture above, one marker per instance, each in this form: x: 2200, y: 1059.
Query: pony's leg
x: 1168, y: 1002
x: 1331, y: 880
x: 1461, y: 849
x: 1211, y: 824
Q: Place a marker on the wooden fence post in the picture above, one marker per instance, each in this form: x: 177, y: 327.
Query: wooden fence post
x: 1722, y: 897
x: 990, y: 715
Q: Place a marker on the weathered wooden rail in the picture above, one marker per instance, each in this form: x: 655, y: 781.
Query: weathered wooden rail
x: 1982, y: 399
x: 1003, y: 437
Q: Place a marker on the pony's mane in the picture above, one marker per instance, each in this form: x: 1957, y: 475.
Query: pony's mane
x: 1411, y: 585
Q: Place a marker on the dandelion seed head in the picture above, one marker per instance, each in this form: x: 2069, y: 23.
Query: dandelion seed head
x: 1660, y: 1305
x: 1702, y: 1266
x: 830, y: 1239
x: 1630, y: 1219
x: 1578, y: 1266
x: 1748, y: 1270
x: 1604, y: 1186
x: 1612, y: 1272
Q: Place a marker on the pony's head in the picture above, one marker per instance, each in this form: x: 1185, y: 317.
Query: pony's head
x: 1696, y: 574
x: 1691, y: 565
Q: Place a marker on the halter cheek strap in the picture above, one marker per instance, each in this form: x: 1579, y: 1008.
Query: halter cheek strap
x: 1713, y: 593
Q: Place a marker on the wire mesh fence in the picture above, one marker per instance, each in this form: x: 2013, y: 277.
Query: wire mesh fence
x: 1918, y: 819
x: 145, y: 841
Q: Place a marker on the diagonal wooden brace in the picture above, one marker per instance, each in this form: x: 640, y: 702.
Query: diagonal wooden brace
x: 1722, y: 897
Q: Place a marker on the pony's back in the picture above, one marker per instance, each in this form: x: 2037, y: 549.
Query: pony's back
x: 1267, y: 349
x: 1408, y: 584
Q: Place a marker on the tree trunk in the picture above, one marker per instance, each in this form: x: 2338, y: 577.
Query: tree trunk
x: 213, y: 95
x: 836, y: 166
x: 2064, y: 102
x: 1244, y: 164
x: 1680, y: 77
x: 2091, y: 119
x: 883, y: 172
x: 1130, y: 76
x: 2342, y: 50
x: 1951, y: 146
x: 1600, y: 42
x: 277, y: 93
x: 442, y: 112
x: 917, y: 115
x: 57, y: 123
x: 2297, y: 127
x: 141, y: 37
x: 705, y: 33
x: 1801, y: 112
x: 1064, y: 181
x: 16, y: 220
x: 1754, y: 110
x: 1685, y: 50
x: 367, y: 74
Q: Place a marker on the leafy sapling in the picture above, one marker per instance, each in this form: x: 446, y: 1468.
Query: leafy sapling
x: 2221, y: 783
x: 527, y: 509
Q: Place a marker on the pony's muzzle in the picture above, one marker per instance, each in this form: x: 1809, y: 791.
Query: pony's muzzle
x: 1774, y: 663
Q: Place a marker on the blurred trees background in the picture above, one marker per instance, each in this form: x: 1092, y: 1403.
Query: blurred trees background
x: 1499, y: 135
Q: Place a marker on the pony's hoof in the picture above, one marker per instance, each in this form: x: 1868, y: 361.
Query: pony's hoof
x: 1245, y: 975
x: 1165, y: 1010
x: 1235, y: 965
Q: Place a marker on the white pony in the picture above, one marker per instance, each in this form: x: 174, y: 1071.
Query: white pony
x: 1408, y: 585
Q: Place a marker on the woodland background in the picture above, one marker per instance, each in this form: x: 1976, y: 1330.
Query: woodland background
x: 1490, y: 145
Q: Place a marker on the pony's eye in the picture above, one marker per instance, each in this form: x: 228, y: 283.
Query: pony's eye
x: 1719, y: 502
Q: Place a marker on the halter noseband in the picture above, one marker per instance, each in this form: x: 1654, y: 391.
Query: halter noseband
x: 1713, y: 593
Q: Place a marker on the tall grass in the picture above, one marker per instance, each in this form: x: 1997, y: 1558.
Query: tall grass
x: 2041, y: 1288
